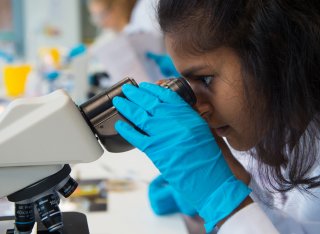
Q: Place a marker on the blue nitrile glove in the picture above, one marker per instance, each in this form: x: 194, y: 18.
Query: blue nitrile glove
x: 165, y: 200
x: 52, y: 75
x: 180, y: 144
x: 160, y: 197
x: 164, y: 63
x: 183, y: 205
x: 7, y: 57
x: 76, y: 51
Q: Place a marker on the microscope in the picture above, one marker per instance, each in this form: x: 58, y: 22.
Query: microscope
x: 41, y: 136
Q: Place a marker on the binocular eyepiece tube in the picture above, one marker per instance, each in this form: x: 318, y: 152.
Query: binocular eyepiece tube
x: 101, y: 115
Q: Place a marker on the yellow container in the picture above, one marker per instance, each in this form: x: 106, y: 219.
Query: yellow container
x: 15, y: 77
x: 51, y: 55
x: 56, y: 57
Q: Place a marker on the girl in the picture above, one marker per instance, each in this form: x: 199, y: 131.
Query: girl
x: 254, y: 67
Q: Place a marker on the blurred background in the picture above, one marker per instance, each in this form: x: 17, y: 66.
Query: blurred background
x: 81, y: 46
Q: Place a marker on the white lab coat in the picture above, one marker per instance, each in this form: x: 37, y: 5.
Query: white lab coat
x: 298, y: 213
x: 143, y: 18
x: 104, y: 38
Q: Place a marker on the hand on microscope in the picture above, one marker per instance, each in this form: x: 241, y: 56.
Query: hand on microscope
x: 180, y: 144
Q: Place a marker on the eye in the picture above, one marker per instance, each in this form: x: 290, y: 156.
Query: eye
x: 206, y: 80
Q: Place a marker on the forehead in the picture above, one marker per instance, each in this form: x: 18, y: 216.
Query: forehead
x: 176, y: 46
x: 184, y: 56
x: 181, y: 55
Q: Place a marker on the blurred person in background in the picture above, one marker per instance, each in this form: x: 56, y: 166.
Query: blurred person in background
x: 124, y: 23
x: 110, y: 17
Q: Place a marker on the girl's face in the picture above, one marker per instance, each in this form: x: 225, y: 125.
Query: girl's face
x: 216, y: 80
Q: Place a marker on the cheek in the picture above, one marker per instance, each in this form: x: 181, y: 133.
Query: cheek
x: 233, y: 111
x: 226, y: 106
x: 244, y: 135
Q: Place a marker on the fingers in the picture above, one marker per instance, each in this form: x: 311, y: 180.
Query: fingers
x: 131, y: 111
x: 148, y: 96
x: 133, y: 136
x: 163, y: 94
x: 142, y: 98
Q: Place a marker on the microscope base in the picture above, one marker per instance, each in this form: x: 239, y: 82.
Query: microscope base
x: 73, y: 222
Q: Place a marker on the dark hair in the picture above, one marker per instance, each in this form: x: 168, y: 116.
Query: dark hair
x: 278, y: 43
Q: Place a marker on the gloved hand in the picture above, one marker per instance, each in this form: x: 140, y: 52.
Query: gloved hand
x: 165, y: 200
x: 164, y: 63
x: 180, y: 144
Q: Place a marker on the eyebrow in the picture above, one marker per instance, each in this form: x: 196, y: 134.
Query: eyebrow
x: 192, y: 70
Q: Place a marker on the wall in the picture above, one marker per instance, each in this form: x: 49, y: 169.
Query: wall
x: 50, y: 23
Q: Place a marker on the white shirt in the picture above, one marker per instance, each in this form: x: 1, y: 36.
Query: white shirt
x: 299, y: 213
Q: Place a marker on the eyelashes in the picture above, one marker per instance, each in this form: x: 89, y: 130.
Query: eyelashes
x: 201, y: 80
x: 206, y: 80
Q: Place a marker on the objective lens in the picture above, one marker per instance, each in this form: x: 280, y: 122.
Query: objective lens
x: 24, y: 215
x: 69, y: 187
x: 49, y: 212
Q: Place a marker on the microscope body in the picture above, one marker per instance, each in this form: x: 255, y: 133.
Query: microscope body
x: 38, y: 136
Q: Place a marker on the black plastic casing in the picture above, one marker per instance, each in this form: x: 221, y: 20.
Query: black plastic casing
x: 101, y: 115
